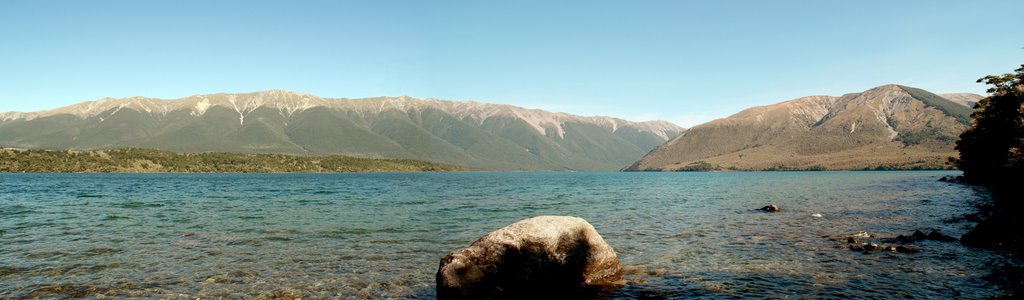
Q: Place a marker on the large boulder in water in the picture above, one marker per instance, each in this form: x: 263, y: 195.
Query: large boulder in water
x: 544, y: 256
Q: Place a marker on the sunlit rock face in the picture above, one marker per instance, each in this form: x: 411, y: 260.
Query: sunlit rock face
x: 541, y: 256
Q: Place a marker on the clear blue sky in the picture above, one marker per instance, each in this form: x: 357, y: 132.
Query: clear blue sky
x: 682, y: 61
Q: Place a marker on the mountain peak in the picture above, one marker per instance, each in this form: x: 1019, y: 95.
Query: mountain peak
x: 891, y: 89
x: 890, y: 86
x: 284, y: 93
x: 889, y: 126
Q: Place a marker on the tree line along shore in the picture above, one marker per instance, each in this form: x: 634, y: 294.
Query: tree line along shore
x: 134, y: 160
x: 992, y: 155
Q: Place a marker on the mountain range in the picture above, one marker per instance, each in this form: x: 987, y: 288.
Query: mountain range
x: 887, y: 127
x: 476, y: 135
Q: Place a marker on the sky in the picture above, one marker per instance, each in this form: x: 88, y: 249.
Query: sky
x: 682, y: 61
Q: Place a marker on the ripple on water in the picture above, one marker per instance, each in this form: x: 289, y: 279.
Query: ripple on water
x: 137, y: 205
x: 681, y: 235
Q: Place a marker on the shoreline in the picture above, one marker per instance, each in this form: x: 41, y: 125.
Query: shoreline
x: 137, y: 160
x: 481, y: 171
x: 995, y: 227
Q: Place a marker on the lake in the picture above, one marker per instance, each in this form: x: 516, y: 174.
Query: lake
x: 382, y: 235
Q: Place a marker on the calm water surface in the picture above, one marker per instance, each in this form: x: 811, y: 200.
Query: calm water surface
x: 382, y: 235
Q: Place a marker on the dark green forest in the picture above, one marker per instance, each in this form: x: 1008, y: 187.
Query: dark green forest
x: 135, y: 160
x: 992, y: 156
x: 992, y: 150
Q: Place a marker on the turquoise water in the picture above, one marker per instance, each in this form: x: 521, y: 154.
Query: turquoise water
x: 382, y: 235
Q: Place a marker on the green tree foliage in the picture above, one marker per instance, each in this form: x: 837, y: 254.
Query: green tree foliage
x: 700, y: 166
x: 992, y: 150
x: 156, y: 161
x: 992, y: 154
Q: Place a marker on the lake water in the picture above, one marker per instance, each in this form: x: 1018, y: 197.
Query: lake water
x: 382, y: 235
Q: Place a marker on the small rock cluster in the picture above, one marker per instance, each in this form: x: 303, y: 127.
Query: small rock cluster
x: 918, y: 235
x: 870, y: 247
x: 951, y: 178
x: 854, y: 242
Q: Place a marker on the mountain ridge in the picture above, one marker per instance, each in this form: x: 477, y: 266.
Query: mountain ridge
x: 887, y: 127
x: 473, y: 134
x: 289, y: 102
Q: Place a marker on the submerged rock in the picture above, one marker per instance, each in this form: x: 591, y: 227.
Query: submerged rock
x: 870, y: 247
x: 856, y: 244
x: 771, y: 208
x: 918, y: 235
x: 903, y: 239
x: 542, y: 256
x: 938, y: 236
x: 951, y: 178
x: 993, y: 232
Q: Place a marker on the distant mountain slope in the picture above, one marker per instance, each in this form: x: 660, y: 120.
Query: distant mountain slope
x: 965, y: 99
x: 471, y: 134
x: 886, y: 127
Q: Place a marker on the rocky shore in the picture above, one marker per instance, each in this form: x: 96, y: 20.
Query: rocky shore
x: 998, y: 225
